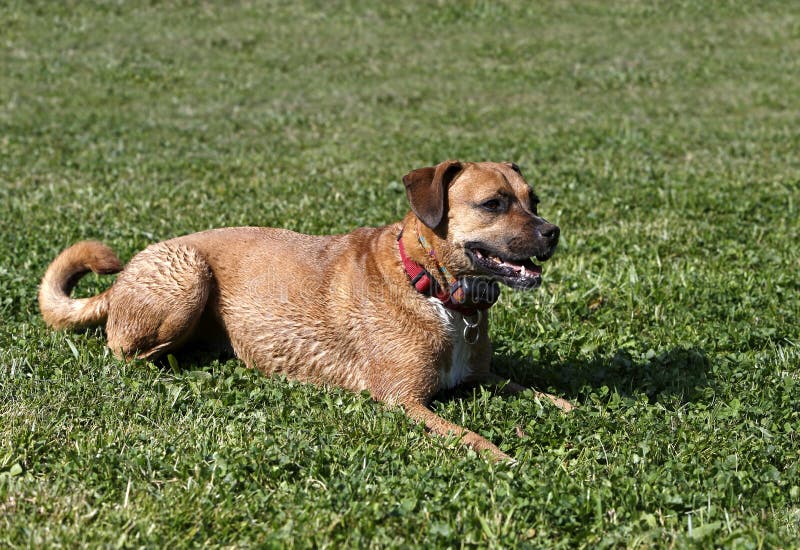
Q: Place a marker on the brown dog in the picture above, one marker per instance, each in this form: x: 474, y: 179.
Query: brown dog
x: 337, y: 309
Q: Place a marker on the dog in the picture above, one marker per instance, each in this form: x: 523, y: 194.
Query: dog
x: 397, y: 310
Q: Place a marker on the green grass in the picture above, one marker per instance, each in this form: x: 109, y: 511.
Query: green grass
x: 663, y: 140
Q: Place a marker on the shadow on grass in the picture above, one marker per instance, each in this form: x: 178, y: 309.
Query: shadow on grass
x: 680, y: 373
x: 197, y: 357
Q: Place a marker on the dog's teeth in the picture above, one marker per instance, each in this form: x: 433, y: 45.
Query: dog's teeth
x: 524, y: 273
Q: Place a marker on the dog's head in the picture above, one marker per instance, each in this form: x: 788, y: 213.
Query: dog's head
x: 483, y: 220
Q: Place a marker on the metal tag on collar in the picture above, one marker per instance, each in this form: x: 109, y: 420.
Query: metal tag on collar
x: 472, y: 329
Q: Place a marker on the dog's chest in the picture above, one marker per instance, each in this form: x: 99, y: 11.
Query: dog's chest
x: 461, y: 362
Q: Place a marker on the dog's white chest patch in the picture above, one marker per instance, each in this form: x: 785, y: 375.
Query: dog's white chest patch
x: 460, y: 366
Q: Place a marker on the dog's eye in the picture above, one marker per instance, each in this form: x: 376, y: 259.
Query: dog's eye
x: 492, y: 205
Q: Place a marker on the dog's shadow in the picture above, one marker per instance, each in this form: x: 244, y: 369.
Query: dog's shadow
x: 677, y: 376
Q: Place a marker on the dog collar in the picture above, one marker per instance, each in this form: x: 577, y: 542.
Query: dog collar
x: 467, y: 295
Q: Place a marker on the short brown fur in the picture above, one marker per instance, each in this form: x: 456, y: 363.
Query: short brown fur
x: 328, y: 310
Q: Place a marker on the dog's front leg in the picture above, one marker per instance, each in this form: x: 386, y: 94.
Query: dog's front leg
x: 511, y: 388
x: 439, y: 426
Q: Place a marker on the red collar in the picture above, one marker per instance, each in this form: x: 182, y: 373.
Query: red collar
x: 455, y: 298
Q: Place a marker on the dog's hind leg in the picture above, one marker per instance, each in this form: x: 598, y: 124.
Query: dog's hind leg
x: 439, y: 426
x: 157, y: 300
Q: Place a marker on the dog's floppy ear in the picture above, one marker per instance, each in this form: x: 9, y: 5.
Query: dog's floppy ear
x: 426, y: 189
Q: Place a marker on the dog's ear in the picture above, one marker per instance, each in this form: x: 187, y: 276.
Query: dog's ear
x: 514, y: 167
x: 426, y: 189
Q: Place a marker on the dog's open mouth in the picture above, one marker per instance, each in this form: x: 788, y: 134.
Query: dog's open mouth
x: 516, y: 273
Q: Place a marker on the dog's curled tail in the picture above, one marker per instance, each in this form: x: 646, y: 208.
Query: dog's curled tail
x: 58, y: 309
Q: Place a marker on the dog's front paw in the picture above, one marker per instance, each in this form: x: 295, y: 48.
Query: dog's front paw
x: 562, y: 404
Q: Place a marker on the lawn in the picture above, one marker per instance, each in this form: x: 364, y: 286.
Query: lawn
x: 663, y: 139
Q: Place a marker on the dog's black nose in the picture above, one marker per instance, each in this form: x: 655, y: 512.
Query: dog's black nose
x: 549, y: 231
